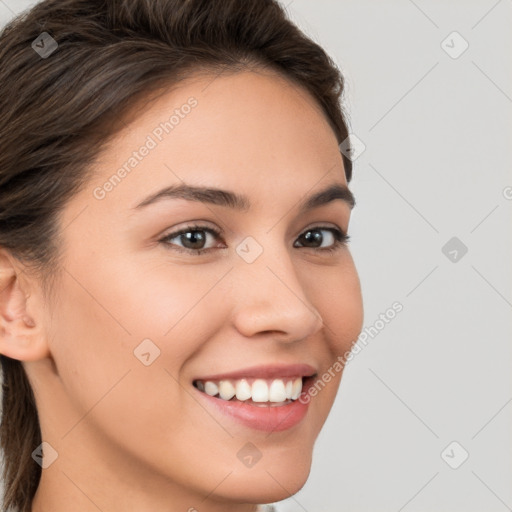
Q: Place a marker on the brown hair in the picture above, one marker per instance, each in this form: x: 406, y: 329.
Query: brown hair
x: 57, y: 111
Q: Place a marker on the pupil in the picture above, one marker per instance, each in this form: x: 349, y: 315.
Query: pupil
x: 193, y: 237
x: 314, y: 235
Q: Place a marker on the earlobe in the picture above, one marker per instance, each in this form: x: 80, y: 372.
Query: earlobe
x: 22, y: 334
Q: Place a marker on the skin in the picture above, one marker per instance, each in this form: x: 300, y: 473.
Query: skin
x: 131, y: 437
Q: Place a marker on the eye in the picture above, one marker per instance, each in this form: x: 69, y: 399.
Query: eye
x: 336, y: 238
x: 194, y: 238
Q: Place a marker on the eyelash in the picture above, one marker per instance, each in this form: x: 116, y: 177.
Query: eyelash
x: 341, y: 239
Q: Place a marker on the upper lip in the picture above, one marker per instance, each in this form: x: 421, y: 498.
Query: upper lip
x: 265, y: 372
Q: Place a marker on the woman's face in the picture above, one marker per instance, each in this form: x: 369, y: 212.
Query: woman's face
x: 141, y: 315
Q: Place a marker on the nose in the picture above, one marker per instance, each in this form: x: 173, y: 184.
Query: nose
x: 270, y: 298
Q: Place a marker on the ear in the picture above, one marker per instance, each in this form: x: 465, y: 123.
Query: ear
x: 22, y: 329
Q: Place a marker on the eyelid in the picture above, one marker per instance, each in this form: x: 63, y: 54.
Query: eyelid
x: 199, y: 225
x: 324, y: 225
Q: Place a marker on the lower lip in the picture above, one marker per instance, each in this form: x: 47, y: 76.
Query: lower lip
x: 265, y: 418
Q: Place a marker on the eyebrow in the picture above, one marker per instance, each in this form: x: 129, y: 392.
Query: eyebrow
x: 242, y: 203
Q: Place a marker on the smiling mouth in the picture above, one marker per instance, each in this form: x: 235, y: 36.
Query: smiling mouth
x: 253, y: 391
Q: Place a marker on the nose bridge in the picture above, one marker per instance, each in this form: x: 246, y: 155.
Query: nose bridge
x: 269, y: 294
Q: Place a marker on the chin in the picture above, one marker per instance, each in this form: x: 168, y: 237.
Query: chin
x: 271, y: 482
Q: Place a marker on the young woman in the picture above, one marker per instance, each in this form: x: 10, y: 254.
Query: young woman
x: 176, y: 289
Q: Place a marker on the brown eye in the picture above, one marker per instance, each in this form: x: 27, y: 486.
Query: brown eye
x: 313, y: 238
x: 191, y: 239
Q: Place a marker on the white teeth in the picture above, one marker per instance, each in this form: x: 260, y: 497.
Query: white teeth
x: 226, y: 390
x: 277, y: 391
x: 261, y: 390
x: 243, y: 390
x: 210, y: 388
x: 296, y: 388
x: 289, y: 389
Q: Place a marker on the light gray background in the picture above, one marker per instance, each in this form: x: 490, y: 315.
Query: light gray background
x: 436, y: 165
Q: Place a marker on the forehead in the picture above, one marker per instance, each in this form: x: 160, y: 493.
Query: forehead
x: 254, y: 132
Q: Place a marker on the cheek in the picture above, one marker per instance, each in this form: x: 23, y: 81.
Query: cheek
x: 94, y: 354
x: 337, y: 296
x: 176, y: 307
x: 89, y: 339
x: 147, y: 298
